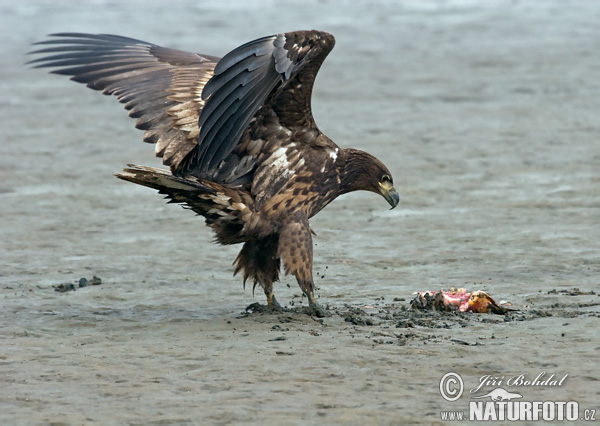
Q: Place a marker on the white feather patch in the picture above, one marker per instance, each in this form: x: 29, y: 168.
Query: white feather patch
x: 221, y: 198
x: 279, y: 164
x: 275, y: 171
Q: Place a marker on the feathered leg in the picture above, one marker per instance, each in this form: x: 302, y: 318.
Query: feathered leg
x: 259, y: 261
x: 296, y: 251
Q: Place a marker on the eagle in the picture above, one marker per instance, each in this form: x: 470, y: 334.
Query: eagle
x: 238, y: 136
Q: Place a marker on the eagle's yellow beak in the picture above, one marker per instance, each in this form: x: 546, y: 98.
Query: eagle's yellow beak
x: 389, y: 193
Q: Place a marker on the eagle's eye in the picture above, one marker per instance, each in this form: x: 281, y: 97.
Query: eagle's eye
x: 386, y: 179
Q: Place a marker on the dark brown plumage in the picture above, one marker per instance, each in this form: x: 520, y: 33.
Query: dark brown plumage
x: 239, y: 137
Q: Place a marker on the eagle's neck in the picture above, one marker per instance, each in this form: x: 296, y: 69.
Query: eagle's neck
x: 355, y: 170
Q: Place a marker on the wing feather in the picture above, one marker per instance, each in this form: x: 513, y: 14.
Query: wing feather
x: 249, y: 77
x: 197, y: 108
x: 160, y: 87
x: 234, y: 129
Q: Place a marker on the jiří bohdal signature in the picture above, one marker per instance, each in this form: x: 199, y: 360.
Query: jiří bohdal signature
x: 520, y: 380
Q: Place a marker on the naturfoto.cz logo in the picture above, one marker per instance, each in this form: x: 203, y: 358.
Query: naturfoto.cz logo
x: 499, y: 404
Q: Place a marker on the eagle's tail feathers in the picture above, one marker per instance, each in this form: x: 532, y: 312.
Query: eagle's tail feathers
x: 223, y: 207
x: 162, y: 180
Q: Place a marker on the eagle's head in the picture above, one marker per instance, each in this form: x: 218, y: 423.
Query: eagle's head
x: 362, y: 171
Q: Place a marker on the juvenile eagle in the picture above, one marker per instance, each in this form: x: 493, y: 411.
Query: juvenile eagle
x: 238, y: 135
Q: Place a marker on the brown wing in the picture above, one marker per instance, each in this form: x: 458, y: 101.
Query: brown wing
x: 270, y: 75
x: 160, y: 87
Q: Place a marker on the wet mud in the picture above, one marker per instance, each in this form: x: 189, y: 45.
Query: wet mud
x: 486, y: 113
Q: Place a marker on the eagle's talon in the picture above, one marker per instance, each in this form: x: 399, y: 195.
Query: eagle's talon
x: 314, y: 308
x: 272, y: 302
x: 317, y: 310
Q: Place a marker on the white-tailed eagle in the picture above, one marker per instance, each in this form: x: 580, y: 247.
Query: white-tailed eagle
x: 238, y: 135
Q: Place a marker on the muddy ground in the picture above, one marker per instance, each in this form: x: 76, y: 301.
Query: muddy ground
x: 485, y: 112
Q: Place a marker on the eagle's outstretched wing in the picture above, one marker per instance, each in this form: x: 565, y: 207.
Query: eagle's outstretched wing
x: 276, y: 71
x: 160, y: 87
x: 195, y: 107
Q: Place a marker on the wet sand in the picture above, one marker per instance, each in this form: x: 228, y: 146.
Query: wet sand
x: 486, y: 114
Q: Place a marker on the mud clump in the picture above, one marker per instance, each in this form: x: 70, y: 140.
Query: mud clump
x: 82, y: 282
x: 63, y: 288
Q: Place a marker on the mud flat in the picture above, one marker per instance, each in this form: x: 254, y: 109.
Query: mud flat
x: 486, y: 113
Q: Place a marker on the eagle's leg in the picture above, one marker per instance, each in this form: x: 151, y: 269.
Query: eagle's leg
x: 313, y: 306
x: 271, y: 301
x: 259, y: 262
x: 295, y: 249
x: 267, y: 286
